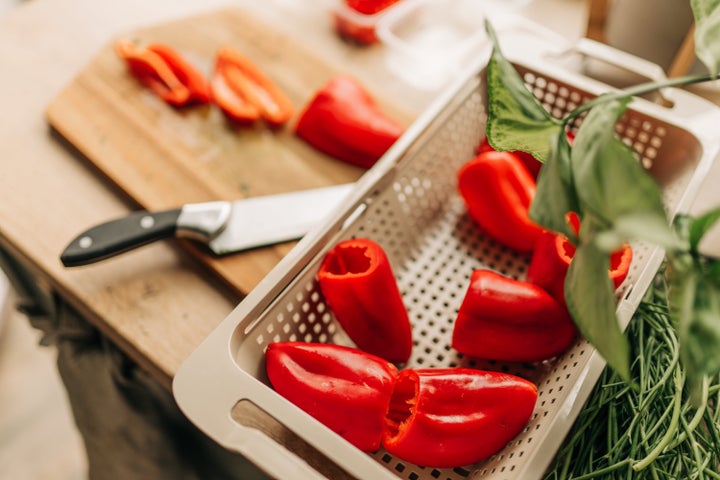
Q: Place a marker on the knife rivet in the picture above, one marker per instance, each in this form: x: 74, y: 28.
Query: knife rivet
x: 85, y: 242
x: 147, y: 222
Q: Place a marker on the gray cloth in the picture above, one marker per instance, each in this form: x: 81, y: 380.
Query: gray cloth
x: 130, y: 424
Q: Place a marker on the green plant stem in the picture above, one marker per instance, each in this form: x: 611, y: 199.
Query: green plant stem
x: 637, y: 90
x: 697, y: 418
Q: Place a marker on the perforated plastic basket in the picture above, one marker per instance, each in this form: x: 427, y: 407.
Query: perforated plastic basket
x: 409, y: 204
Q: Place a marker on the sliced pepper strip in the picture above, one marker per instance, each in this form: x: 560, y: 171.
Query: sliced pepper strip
x: 344, y: 121
x: 501, y: 318
x: 358, y: 284
x: 497, y: 190
x: 247, y: 85
x: 345, y: 389
x: 234, y: 105
x: 450, y: 417
x: 187, y: 73
x: 552, y: 256
x: 165, y: 72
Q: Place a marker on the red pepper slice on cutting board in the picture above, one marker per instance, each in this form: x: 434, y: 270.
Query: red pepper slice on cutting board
x: 345, y: 389
x: 358, y: 284
x: 344, y: 121
x: 450, y: 417
x: 497, y: 190
x: 554, y: 252
x: 245, y: 93
x: 166, y: 72
x: 501, y: 318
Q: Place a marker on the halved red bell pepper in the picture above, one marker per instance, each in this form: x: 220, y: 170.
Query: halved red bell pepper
x: 245, y: 93
x: 502, y: 318
x: 166, y: 72
x: 344, y: 121
x: 359, y: 286
x: 345, y: 389
x: 554, y: 252
x: 497, y: 190
x: 450, y: 417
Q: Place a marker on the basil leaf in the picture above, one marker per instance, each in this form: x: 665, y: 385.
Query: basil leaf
x: 613, y: 181
x: 590, y: 299
x: 555, y: 194
x: 640, y: 226
x: 700, y: 226
x: 707, y: 32
x: 694, y: 298
x: 516, y: 120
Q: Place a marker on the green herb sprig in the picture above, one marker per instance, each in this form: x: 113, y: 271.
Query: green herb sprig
x: 600, y: 178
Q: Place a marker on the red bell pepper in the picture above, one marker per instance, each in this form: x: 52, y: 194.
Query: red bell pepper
x: 497, y: 190
x: 369, y: 7
x: 531, y: 163
x: 359, y: 287
x: 501, y: 318
x: 166, y: 72
x: 449, y: 417
x: 345, y: 389
x: 343, y: 121
x: 355, y: 20
x: 245, y: 93
x: 554, y: 252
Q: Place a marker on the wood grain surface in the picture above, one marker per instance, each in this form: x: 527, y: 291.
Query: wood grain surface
x: 163, y: 157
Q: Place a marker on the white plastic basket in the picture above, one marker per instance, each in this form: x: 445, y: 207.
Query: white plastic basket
x: 409, y: 204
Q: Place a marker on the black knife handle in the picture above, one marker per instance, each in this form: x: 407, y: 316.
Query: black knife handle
x: 118, y: 236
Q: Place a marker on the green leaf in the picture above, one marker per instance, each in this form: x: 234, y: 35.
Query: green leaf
x: 707, y: 32
x: 640, y: 226
x: 516, y: 120
x: 609, y: 179
x: 694, y: 298
x: 590, y: 298
x: 555, y: 194
x: 700, y: 226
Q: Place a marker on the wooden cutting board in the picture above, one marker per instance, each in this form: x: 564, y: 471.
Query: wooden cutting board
x: 163, y: 157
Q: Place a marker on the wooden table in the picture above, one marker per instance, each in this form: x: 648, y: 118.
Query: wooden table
x: 157, y: 303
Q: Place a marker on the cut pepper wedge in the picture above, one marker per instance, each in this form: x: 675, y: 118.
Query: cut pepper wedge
x: 450, y: 417
x: 552, y: 256
x: 501, y: 318
x: 344, y: 121
x: 186, y: 72
x: 165, y: 71
x: 345, y: 389
x: 245, y: 93
x: 359, y: 287
x: 497, y: 190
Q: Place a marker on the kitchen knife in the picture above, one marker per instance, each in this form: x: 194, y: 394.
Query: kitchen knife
x: 224, y: 226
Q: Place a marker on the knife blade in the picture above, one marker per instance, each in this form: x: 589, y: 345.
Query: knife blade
x: 224, y: 226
